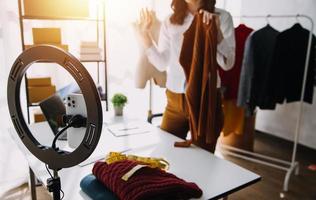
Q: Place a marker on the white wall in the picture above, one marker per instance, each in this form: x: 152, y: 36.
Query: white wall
x: 2, y: 85
x: 5, y: 29
x: 282, y: 121
x: 10, y: 46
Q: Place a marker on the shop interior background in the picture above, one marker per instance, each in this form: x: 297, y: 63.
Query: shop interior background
x: 121, y: 43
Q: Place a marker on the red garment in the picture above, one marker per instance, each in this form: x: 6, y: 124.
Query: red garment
x: 145, y: 184
x: 230, y: 79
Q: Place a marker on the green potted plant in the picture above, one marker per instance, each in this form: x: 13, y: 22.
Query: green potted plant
x: 119, y: 100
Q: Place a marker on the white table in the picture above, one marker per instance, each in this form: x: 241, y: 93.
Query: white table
x: 216, y: 177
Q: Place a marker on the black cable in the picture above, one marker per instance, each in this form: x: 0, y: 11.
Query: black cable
x: 48, y: 171
x: 62, y: 192
x: 58, y: 134
x: 50, y: 174
x: 76, y: 121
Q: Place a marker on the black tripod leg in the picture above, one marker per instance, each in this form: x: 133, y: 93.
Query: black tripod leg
x: 32, y: 184
x: 54, y: 186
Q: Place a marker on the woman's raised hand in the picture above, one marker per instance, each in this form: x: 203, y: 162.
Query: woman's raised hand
x: 207, y: 17
x: 145, y: 19
x: 144, y: 25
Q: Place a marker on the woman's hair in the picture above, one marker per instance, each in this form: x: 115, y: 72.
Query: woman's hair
x: 180, y: 9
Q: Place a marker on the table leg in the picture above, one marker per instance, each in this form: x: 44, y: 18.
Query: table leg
x: 32, y: 184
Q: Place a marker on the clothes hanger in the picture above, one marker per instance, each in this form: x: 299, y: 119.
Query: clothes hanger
x: 267, y: 20
x: 297, y: 20
x: 241, y: 22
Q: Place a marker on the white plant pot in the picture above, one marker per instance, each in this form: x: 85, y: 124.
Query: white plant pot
x: 118, y: 110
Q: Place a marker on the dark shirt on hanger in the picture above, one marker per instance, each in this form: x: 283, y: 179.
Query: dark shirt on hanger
x: 256, y: 69
x: 289, y: 65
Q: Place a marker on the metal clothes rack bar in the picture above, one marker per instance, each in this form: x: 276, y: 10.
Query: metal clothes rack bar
x: 288, y: 166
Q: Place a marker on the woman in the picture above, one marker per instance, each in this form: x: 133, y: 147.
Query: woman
x: 165, y: 55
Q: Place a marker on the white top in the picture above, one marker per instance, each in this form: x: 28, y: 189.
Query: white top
x: 165, y: 56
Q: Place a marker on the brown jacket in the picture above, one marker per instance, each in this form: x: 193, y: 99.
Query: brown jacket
x: 198, y: 59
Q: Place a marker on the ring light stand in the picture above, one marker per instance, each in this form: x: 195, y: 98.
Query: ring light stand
x: 55, y: 159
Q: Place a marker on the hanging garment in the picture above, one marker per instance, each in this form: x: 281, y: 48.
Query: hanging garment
x: 130, y: 180
x: 238, y: 130
x: 256, y: 69
x: 198, y: 59
x: 242, y: 141
x: 286, y: 78
x: 145, y: 71
x: 233, y: 117
x: 230, y: 79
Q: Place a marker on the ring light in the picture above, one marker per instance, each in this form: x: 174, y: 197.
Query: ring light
x: 55, y: 159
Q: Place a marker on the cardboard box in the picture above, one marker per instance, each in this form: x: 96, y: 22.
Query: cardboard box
x: 86, y: 50
x: 46, y: 35
x: 37, y: 94
x: 39, y: 117
x: 89, y: 44
x: 85, y: 57
x: 56, y: 8
x: 62, y: 46
x: 37, y: 82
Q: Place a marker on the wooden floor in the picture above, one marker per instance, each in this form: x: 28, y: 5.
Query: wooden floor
x: 23, y: 193
x: 302, y: 187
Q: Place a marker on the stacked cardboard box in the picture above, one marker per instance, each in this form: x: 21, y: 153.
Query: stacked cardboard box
x: 56, y: 8
x: 51, y: 36
x: 90, y: 51
x: 39, y: 89
x: 39, y: 117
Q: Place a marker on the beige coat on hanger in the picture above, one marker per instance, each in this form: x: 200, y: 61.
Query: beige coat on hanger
x: 145, y: 70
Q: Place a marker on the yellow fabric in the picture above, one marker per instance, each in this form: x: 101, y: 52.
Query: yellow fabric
x: 160, y: 163
x: 234, y: 118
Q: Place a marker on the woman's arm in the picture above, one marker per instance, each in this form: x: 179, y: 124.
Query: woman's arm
x: 226, y: 48
x: 158, y: 55
x: 226, y: 38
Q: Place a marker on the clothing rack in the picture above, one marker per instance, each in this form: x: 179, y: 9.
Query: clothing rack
x: 288, y: 166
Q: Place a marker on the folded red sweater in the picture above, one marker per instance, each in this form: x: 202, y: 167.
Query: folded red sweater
x: 145, y: 184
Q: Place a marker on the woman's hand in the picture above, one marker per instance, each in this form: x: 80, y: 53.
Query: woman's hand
x: 144, y: 26
x: 146, y: 19
x: 207, y: 17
